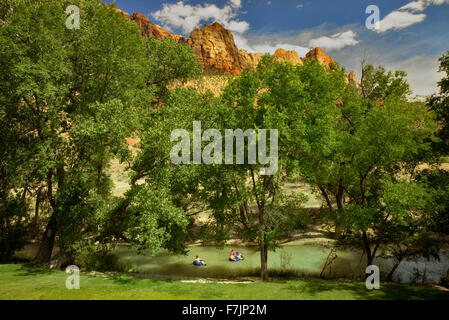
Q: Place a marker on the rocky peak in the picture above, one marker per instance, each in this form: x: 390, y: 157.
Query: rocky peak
x: 215, y: 48
x: 318, y: 55
x: 249, y: 60
x: 148, y: 28
x: 351, y: 77
x: 289, y: 56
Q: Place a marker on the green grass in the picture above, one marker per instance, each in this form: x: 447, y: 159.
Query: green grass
x: 25, y: 281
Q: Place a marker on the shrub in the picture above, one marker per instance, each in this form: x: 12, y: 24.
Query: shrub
x: 92, y: 256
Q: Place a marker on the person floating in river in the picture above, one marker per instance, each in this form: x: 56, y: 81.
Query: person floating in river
x: 199, y: 262
x: 235, y: 256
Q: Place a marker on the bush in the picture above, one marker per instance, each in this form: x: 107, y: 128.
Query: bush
x: 92, y: 256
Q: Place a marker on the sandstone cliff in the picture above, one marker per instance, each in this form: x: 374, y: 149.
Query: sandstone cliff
x: 351, y: 77
x: 215, y: 48
x: 289, y: 56
x: 318, y: 55
x: 148, y: 28
x: 249, y: 60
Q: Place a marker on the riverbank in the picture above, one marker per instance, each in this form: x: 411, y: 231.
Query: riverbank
x: 25, y: 281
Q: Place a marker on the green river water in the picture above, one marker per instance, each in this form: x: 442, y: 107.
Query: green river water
x: 302, y: 260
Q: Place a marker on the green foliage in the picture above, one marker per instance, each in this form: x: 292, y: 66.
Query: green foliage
x: 153, y: 217
x: 14, y: 226
x: 168, y: 61
x: 70, y: 98
x: 351, y: 148
x: 298, y: 101
x: 437, y: 210
x: 6, y: 9
x: 381, y: 147
x: 379, y: 84
x: 90, y: 256
x: 440, y: 104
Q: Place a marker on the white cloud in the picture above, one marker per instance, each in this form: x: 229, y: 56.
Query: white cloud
x: 236, y: 3
x: 271, y: 49
x: 406, y: 15
x: 421, y: 5
x: 187, y: 17
x: 336, y: 41
x: 237, y: 26
x: 267, y: 46
x: 397, y: 20
x: 415, y: 6
x: 299, y: 5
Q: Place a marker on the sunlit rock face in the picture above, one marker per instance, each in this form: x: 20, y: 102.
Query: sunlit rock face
x: 351, y: 78
x: 148, y: 28
x: 249, y: 60
x: 318, y: 55
x: 215, y: 48
x: 289, y: 56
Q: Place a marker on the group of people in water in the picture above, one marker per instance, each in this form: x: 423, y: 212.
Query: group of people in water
x: 233, y: 257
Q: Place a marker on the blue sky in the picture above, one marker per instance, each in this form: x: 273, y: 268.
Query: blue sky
x: 412, y: 34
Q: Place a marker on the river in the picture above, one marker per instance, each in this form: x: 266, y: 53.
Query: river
x: 298, y: 260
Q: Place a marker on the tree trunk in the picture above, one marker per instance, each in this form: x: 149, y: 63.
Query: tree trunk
x: 36, y: 210
x: 263, y: 261
x: 59, y: 261
x: 36, y: 215
x: 370, y: 260
x: 47, y: 243
x: 339, y: 199
x: 326, y: 197
x: 390, y: 275
x: 369, y: 254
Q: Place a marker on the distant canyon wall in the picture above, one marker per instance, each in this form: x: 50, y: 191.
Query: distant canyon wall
x: 216, y: 50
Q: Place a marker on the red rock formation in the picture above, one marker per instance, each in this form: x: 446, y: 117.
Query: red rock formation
x: 289, y: 56
x: 215, y: 48
x: 249, y: 60
x: 351, y: 77
x: 318, y: 55
x: 148, y: 28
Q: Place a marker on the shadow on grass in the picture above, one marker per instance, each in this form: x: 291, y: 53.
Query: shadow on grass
x: 387, y: 291
x: 122, y: 280
x: 31, y: 269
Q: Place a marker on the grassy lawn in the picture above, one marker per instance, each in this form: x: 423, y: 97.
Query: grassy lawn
x: 24, y: 281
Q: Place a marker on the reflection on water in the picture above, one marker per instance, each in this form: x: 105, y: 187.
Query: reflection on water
x: 303, y: 260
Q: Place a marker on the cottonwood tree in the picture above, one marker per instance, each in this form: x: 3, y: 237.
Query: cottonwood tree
x: 163, y: 199
x: 358, y: 152
x: 385, y: 137
x: 70, y: 93
x: 438, y: 180
x: 329, y: 174
x: 237, y: 197
x: 278, y: 96
x: 71, y: 98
